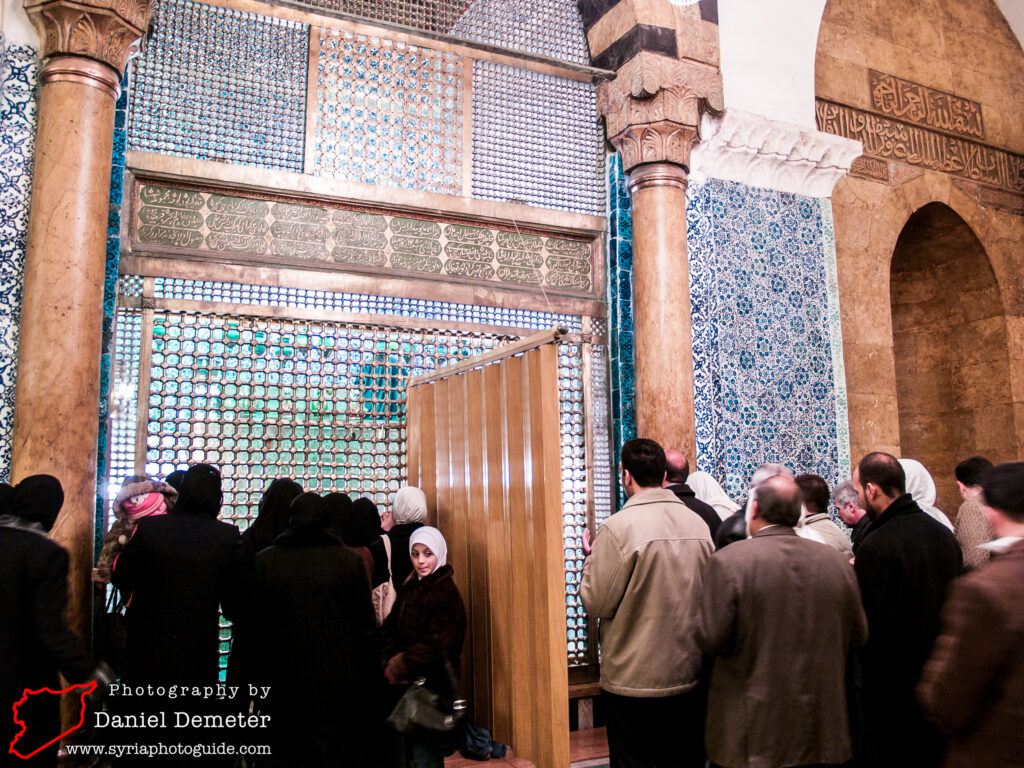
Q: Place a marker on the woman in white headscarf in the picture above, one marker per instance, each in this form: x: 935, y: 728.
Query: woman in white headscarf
x: 710, y: 492
x: 921, y: 488
x: 424, y: 630
x: 409, y: 511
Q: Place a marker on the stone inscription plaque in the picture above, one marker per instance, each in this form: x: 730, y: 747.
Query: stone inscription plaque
x: 887, y: 139
x: 165, y: 217
x: 924, y: 106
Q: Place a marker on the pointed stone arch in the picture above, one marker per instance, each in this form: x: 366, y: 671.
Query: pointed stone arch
x: 950, y: 348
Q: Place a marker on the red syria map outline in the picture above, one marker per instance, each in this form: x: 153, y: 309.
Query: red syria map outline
x: 86, y: 689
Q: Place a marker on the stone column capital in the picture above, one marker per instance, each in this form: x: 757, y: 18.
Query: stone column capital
x: 652, y: 108
x: 106, y: 31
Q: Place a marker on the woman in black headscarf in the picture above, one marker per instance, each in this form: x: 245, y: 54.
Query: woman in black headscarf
x: 344, y: 524
x: 33, y: 583
x: 274, y: 512
x: 368, y: 534
x: 178, y: 568
x: 317, y: 646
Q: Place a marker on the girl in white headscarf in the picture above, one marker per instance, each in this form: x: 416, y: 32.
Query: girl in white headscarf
x: 707, y: 489
x: 425, y: 629
x: 921, y: 488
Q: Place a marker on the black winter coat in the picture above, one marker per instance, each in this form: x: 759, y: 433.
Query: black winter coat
x: 317, y: 650
x: 904, y: 566
x: 34, y: 640
x: 427, y: 626
x: 177, y: 570
x: 706, y: 512
x: 401, y: 563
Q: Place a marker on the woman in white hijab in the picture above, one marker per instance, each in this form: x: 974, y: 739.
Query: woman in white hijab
x: 921, y: 488
x: 424, y: 631
x: 710, y: 492
x: 409, y: 511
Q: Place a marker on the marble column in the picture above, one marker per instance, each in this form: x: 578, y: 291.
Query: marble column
x: 652, y: 109
x: 56, y: 414
x: 661, y: 298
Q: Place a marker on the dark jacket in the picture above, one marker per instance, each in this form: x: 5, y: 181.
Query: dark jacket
x: 973, y: 685
x: 317, y: 649
x: 35, y: 642
x: 779, y: 614
x: 177, y: 570
x: 859, y: 531
x: 427, y: 626
x: 904, y: 567
x: 733, y: 529
x: 401, y: 563
x: 706, y: 512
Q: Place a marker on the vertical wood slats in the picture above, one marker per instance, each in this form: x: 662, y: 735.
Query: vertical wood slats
x: 484, y: 446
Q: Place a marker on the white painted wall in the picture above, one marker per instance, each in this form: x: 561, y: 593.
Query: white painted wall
x: 767, y: 53
x: 16, y: 27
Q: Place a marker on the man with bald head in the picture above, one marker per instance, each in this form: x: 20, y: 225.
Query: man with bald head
x: 779, y: 614
x: 677, y: 469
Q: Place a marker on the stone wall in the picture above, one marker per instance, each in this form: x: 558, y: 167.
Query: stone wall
x: 962, y: 149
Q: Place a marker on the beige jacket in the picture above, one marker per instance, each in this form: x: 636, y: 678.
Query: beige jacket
x: 643, y: 581
x: 833, y: 535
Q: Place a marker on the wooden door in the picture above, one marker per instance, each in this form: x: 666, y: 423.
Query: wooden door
x: 484, y: 445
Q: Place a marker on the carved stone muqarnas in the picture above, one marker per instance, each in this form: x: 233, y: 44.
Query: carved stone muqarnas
x: 105, y: 30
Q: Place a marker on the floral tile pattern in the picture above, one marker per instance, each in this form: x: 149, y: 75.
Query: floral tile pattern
x: 620, y: 308
x: 765, y: 333
x: 19, y: 65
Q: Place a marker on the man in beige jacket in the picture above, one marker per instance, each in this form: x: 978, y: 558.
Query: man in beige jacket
x: 643, y: 580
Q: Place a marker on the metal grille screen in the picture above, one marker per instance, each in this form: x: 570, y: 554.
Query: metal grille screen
x: 323, y: 401
x: 263, y: 398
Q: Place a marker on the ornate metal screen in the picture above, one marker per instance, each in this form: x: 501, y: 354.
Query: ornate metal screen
x: 221, y: 377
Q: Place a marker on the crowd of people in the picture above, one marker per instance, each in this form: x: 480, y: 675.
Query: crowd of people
x: 764, y: 634
x: 317, y: 643
x: 759, y: 633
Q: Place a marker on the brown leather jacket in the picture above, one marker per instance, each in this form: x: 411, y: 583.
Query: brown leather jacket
x: 973, y: 684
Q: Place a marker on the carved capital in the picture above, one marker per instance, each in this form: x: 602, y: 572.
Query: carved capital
x: 108, y: 31
x: 751, y: 149
x: 652, y: 107
x: 660, y: 142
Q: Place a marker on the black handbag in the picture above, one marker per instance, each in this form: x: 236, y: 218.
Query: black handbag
x: 428, y: 717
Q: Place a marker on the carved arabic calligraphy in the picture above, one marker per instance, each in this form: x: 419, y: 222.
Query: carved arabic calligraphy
x: 925, y: 106
x: 170, y: 220
x: 887, y: 139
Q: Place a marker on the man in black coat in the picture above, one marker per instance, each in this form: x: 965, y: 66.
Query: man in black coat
x: 677, y: 469
x: 904, y: 567
x: 317, y: 650
x: 176, y: 570
x: 35, y: 642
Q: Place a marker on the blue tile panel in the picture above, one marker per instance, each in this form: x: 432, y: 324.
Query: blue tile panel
x: 19, y: 66
x: 219, y: 84
x: 109, y: 299
x: 536, y: 139
x: 620, y: 309
x: 765, y: 334
x: 550, y: 28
